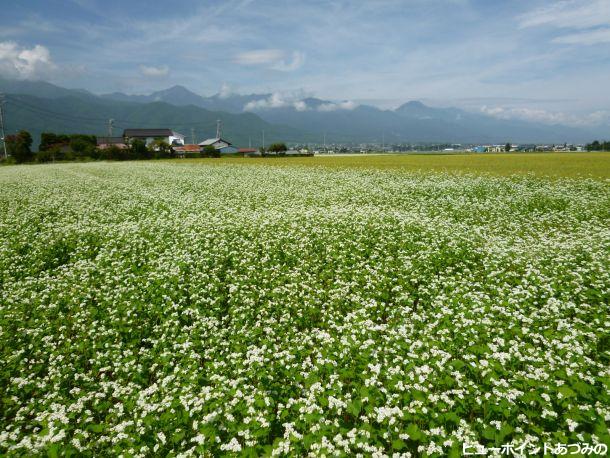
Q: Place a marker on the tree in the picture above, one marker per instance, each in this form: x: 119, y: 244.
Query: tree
x: 278, y: 148
x: 595, y: 146
x: 138, y: 150
x: 81, y: 147
x: 161, y: 149
x: 507, y: 147
x: 113, y: 153
x: 210, y: 151
x: 19, y: 146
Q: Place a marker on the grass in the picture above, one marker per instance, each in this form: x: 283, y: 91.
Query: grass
x: 572, y: 165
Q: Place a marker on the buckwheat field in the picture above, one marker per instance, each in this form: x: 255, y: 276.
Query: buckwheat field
x: 167, y: 308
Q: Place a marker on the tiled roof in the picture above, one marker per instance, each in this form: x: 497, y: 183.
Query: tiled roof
x: 188, y: 148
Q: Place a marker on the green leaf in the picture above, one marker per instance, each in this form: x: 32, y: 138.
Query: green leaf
x: 398, y: 444
x: 413, y: 432
x: 566, y: 391
x: 96, y: 428
x: 354, y: 408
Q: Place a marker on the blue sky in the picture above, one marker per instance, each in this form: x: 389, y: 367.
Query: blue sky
x: 535, y: 59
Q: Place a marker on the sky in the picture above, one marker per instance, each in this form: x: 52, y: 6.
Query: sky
x: 539, y: 60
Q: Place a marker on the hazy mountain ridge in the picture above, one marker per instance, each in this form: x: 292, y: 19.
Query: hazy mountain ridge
x: 71, y: 114
x: 305, y: 120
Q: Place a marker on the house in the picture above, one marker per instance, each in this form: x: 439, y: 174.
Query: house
x: 150, y: 135
x: 106, y: 142
x: 219, y: 144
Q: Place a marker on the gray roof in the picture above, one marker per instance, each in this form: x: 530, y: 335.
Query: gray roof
x: 146, y: 133
x: 211, y: 141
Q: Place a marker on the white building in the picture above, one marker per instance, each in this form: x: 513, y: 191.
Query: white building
x: 150, y: 135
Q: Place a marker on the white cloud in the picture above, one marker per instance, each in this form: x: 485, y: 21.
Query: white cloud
x: 259, y: 57
x: 25, y: 63
x: 275, y: 59
x: 346, y: 105
x: 569, y: 13
x: 596, y: 118
x: 277, y: 100
x: 226, y: 90
x: 585, y: 38
x: 154, y: 72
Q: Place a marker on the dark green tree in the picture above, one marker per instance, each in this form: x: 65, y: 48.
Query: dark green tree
x: 278, y: 148
x: 507, y: 147
x: 210, y: 151
x: 138, y: 150
x: 19, y: 146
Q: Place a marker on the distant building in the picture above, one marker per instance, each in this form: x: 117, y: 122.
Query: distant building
x: 187, y: 150
x: 106, y: 142
x: 248, y: 152
x: 219, y: 144
x: 479, y: 149
x: 150, y: 135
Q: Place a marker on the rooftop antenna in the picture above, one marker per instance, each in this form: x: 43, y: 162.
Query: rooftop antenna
x: 2, y: 125
x: 110, y: 125
x: 218, y: 128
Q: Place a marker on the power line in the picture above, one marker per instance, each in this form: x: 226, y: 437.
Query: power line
x: 121, y: 122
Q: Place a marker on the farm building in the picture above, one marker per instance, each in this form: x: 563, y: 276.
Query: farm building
x: 150, y: 135
x: 219, y: 144
x: 187, y: 150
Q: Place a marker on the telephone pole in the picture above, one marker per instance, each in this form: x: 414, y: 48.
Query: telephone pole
x: 193, y: 135
x: 263, y: 139
x: 218, y: 128
x: 2, y: 125
x: 110, y: 125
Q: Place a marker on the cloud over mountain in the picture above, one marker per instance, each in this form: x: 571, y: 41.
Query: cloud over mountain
x: 24, y: 63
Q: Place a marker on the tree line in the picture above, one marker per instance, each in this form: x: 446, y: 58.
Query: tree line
x: 73, y: 147
x: 598, y: 146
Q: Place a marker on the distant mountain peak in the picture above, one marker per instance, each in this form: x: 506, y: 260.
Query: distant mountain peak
x: 412, y: 105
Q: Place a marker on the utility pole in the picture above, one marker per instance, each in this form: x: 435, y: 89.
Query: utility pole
x: 2, y: 125
x: 193, y: 135
x: 249, y: 142
x: 383, y: 140
x: 263, y: 140
x: 110, y: 125
x: 218, y: 128
x: 325, y: 142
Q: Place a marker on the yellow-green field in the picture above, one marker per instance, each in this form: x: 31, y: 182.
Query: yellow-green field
x: 594, y: 165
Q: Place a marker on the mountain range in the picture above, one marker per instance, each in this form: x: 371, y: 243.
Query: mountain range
x: 40, y: 106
